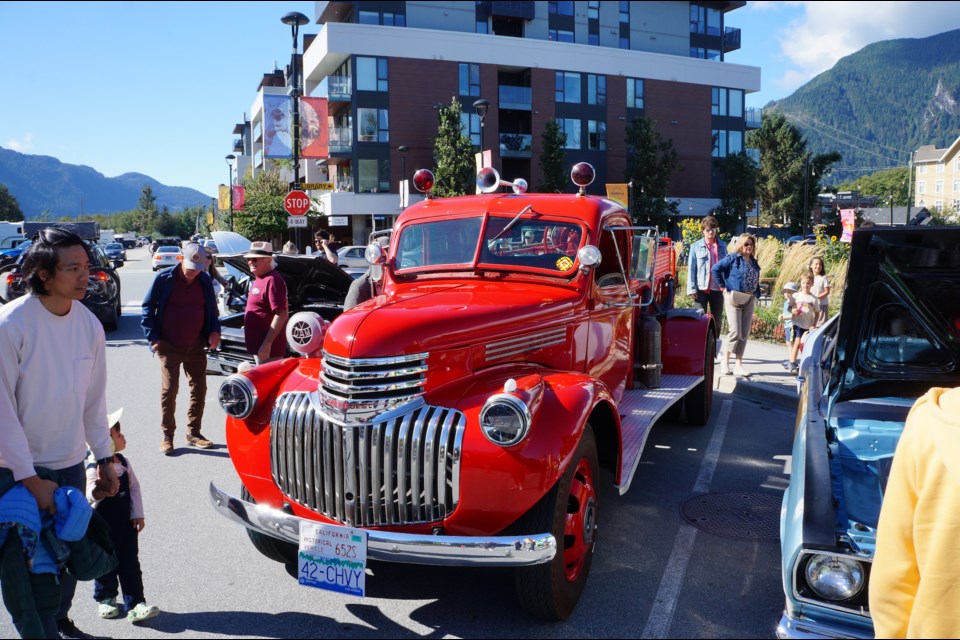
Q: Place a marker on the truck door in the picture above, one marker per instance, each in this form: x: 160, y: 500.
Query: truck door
x: 610, y: 341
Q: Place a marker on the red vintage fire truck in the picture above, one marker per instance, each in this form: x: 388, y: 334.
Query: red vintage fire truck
x: 517, y: 343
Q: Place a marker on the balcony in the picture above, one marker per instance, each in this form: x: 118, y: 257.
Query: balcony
x: 515, y: 145
x: 238, y: 145
x: 341, y: 139
x: 338, y: 88
x: 753, y: 117
x: 515, y: 97
x: 731, y: 39
x: 523, y: 10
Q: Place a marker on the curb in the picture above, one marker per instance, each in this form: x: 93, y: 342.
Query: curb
x: 781, y: 397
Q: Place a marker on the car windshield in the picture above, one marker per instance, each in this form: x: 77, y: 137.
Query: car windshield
x: 537, y: 244
x: 114, y: 246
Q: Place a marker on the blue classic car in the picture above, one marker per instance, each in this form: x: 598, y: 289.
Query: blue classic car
x: 897, y: 335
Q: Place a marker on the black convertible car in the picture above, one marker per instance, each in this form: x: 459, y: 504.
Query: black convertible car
x: 313, y: 284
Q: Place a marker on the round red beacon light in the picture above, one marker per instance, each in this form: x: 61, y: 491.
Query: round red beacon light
x: 582, y: 174
x: 423, y: 180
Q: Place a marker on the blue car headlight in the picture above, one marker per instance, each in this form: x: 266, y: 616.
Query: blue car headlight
x: 833, y: 577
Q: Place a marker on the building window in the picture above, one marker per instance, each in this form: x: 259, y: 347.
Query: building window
x: 938, y: 205
x: 921, y: 187
x: 939, y: 186
x: 704, y: 21
x: 718, y: 105
x: 734, y: 142
x: 593, y: 9
x: 634, y: 93
x: 470, y: 125
x: 469, y: 79
x: 593, y: 39
x: 726, y: 143
x: 624, y: 43
x: 726, y: 102
x: 939, y: 167
x: 956, y: 185
x: 596, y: 89
x: 384, y: 18
x: 956, y: 164
x: 922, y: 168
x: 373, y: 176
x: 568, y: 87
x: 373, y: 125
x: 735, y: 97
x: 596, y: 135
x: 482, y: 26
x: 571, y: 127
x: 956, y: 205
x: 624, y: 12
x: 559, y: 35
x: 561, y: 8
x: 372, y: 74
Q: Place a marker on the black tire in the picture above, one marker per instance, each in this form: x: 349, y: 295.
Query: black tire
x: 699, y: 400
x: 277, y: 550
x: 110, y: 323
x: 550, y: 591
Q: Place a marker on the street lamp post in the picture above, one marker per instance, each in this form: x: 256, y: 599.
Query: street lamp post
x: 230, y: 159
x: 295, y: 20
x: 481, y: 106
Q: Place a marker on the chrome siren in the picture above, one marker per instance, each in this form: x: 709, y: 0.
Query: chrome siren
x: 488, y: 181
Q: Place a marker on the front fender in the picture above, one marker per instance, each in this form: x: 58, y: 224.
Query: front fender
x: 499, y: 484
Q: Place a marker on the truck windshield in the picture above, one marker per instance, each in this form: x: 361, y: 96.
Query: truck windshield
x: 538, y: 244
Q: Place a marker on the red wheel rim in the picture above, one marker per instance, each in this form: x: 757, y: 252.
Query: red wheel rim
x: 580, y: 524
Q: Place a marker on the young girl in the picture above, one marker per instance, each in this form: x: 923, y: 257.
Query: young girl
x: 804, y: 316
x: 124, y: 514
x: 786, y: 315
x: 821, y: 289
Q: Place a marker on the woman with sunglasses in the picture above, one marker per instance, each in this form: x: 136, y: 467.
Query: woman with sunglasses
x: 738, y: 275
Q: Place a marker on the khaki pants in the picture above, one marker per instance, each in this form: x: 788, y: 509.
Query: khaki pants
x: 739, y: 309
x: 194, y: 362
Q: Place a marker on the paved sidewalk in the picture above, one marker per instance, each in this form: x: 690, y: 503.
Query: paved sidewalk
x: 768, y: 382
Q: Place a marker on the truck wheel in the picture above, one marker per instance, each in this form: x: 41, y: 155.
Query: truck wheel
x: 276, y: 550
x: 699, y: 400
x: 551, y: 590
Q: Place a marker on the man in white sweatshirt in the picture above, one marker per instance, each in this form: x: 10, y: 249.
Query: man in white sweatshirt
x: 53, y: 381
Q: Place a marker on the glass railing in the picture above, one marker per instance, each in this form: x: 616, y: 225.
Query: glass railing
x: 338, y: 87
x: 515, y: 97
x: 731, y: 39
x: 515, y: 145
x: 753, y: 117
x: 341, y: 139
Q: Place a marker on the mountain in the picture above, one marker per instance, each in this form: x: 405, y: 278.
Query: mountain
x: 42, y: 183
x: 877, y: 106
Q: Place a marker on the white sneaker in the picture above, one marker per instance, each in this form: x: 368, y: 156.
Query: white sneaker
x: 724, y: 368
x: 740, y: 373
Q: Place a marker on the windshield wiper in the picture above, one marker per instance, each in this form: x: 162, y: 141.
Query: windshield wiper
x: 510, y: 224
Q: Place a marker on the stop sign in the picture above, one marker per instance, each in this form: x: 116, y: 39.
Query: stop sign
x: 296, y: 203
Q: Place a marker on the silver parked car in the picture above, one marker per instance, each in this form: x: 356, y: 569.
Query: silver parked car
x: 165, y: 257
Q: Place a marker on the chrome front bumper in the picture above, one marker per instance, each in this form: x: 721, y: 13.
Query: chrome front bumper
x: 794, y: 628
x: 492, y: 551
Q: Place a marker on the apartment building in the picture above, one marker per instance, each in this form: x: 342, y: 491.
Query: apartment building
x: 938, y: 177
x: 593, y: 66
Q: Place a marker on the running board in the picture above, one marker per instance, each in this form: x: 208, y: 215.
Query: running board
x: 639, y: 409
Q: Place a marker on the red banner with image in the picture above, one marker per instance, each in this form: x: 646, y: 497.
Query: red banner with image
x: 313, y: 128
x: 848, y: 218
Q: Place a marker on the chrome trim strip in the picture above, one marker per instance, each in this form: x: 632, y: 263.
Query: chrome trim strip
x: 376, y: 375
x: 491, y: 551
x: 808, y: 629
x: 367, y: 388
x: 374, y: 362
x: 523, y: 344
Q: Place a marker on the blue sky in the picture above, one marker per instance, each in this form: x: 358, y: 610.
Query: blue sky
x: 156, y: 87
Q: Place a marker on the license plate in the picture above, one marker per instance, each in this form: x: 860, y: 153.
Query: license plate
x: 332, y: 557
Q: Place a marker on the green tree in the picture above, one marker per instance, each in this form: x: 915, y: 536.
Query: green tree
x: 651, y: 161
x: 883, y: 184
x: 553, y: 159
x: 145, y: 218
x: 452, y: 153
x: 263, y: 215
x: 739, y: 190
x: 9, y: 207
x: 786, y: 167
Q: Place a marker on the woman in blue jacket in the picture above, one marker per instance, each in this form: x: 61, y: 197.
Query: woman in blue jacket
x: 738, y: 275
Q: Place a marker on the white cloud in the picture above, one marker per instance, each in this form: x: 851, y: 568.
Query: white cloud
x: 22, y: 144
x: 824, y: 32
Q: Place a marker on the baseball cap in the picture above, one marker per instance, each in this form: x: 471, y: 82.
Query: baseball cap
x: 791, y: 286
x: 194, y: 257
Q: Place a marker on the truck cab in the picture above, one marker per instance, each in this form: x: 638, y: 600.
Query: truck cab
x: 516, y: 344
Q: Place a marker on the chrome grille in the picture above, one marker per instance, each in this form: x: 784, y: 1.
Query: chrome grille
x: 401, y: 470
x: 358, y: 390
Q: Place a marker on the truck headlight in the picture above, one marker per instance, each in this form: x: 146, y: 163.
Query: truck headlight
x: 237, y: 396
x: 834, y: 577
x: 504, y: 419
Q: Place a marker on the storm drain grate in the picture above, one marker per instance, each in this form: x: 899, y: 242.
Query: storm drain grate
x: 735, y: 514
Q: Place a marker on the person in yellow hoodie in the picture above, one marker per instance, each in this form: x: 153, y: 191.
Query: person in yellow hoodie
x: 914, y: 589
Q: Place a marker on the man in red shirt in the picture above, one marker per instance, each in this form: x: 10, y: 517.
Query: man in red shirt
x: 180, y: 319
x: 265, y: 316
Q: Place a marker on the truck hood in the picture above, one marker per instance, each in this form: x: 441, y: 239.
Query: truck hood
x: 436, y: 316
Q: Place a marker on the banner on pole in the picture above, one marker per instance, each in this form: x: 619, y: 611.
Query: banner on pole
x: 277, y: 126
x: 619, y: 194
x: 848, y: 218
x: 313, y: 128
